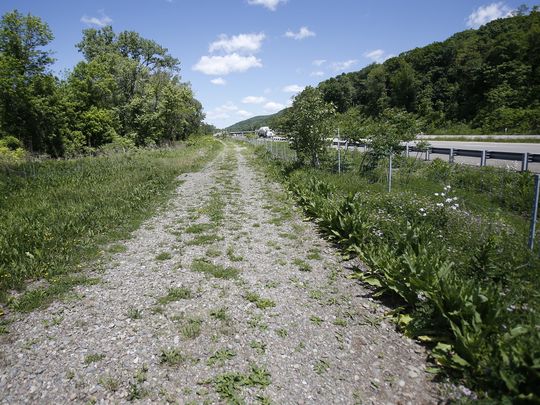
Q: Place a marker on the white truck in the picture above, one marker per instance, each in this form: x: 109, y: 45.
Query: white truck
x: 265, y: 132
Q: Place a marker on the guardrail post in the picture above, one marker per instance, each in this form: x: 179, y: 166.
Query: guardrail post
x: 532, y: 230
x: 483, y: 159
x: 427, y: 154
x: 407, y: 149
x: 451, y: 156
x: 525, y: 162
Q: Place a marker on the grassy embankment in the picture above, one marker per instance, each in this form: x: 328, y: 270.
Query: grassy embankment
x: 453, y: 258
x: 56, y: 216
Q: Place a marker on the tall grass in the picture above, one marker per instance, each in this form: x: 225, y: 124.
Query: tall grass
x: 55, y: 215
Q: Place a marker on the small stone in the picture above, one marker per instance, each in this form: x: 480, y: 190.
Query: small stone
x: 356, y: 377
x: 401, y: 383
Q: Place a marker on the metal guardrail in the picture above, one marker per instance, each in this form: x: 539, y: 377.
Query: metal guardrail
x: 483, y: 154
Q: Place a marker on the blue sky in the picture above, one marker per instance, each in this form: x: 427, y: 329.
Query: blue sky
x: 249, y: 57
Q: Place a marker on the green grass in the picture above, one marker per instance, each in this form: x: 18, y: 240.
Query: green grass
x: 229, y: 385
x: 191, y: 328
x: 214, y: 270
x: 204, y: 239
x: 302, y: 265
x: 220, y: 357
x: 56, y: 215
x: 175, y: 294
x: 199, y: 228
x: 261, y: 303
x: 171, y: 357
x: 163, y: 256
x: 93, y: 358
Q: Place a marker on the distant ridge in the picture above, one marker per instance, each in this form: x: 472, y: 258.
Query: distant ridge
x: 255, y: 122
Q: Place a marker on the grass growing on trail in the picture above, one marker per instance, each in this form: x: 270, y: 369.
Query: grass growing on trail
x: 56, y: 215
x: 214, y: 270
x: 175, y: 294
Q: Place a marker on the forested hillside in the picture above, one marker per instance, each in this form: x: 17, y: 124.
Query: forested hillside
x: 255, y: 122
x: 126, y: 91
x: 485, y: 80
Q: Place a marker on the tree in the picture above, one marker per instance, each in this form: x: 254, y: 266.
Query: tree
x: 24, y: 80
x: 309, y: 124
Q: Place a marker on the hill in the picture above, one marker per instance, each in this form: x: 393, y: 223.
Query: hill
x: 256, y: 122
x: 484, y: 80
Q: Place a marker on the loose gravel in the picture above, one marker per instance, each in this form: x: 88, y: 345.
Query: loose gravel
x: 227, y: 296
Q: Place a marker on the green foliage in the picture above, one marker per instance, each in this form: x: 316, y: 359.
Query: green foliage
x: 126, y: 88
x: 481, y: 81
x: 82, y: 204
x: 465, y: 281
x: 308, y: 124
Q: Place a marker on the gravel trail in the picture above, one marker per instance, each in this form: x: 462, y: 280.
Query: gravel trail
x: 227, y: 296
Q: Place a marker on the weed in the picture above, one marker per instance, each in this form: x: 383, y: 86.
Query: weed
x: 141, y: 374
x: 191, y: 328
x: 261, y: 303
x: 134, y: 313
x: 109, y: 383
x: 281, y: 332
x: 212, y: 252
x: 314, y: 254
x: 171, y: 357
x: 340, y: 322
x: 302, y: 265
x: 204, y: 239
x: 220, y: 357
x: 214, y: 270
x: 175, y: 294
x: 259, y: 346
x: 231, y: 255
x: 321, y: 366
x: 199, y: 228
x: 221, y: 314
x: 163, y: 256
x: 229, y: 385
x: 135, y: 392
x: 92, y: 358
x: 316, y: 320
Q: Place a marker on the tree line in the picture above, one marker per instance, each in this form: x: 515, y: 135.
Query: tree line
x: 477, y: 81
x: 127, y: 91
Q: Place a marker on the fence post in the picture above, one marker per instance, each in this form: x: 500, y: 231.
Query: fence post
x: 339, y: 154
x: 532, y: 230
x: 390, y: 173
x: 525, y: 162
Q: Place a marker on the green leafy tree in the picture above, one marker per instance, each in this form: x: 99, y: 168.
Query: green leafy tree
x: 309, y: 123
x: 25, y: 83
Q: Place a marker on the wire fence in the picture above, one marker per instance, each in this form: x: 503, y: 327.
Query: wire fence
x: 406, y: 170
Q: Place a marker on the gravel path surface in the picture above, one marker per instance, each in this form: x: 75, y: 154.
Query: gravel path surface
x: 226, y: 296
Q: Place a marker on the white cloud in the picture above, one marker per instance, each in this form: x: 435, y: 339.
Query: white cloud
x: 484, y: 14
x: 222, y: 112
x: 303, y: 33
x: 377, y: 55
x: 253, y: 100
x: 244, y: 113
x: 99, y: 21
x: 248, y: 43
x: 318, y: 73
x: 272, y: 106
x: 293, y: 88
x: 219, y: 81
x: 269, y: 4
x: 340, y: 66
x: 319, y: 62
x: 223, y: 65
